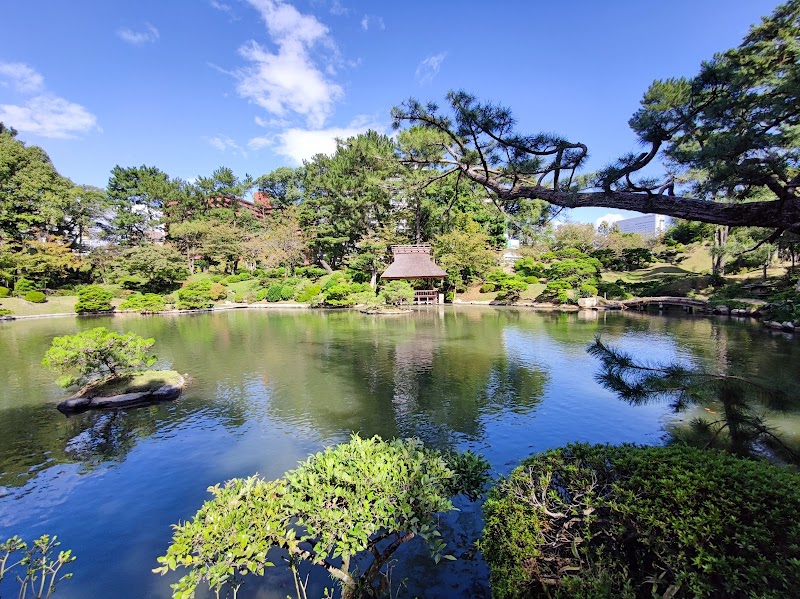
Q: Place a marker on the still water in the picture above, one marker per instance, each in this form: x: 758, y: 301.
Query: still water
x: 268, y: 388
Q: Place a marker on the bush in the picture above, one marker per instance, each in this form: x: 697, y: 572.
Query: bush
x: 612, y: 291
x: 526, y: 267
x: 396, y: 293
x: 274, y: 293
x: 511, y: 290
x: 6, y: 312
x: 487, y: 287
x: 587, y: 290
x: 35, y: 297
x: 307, y: 294
x: 310, y: 272
x: 217, y: 292
x: 93, y: 298
x: 287, y: 293
x: 4, y: 291
x: 195, y: 296
x: 23, y: 286
x: 149, y: 302
x: 602, y: 521
x: 556, y: 291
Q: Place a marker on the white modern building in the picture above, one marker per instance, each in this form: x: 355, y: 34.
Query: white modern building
x: 649, y: 224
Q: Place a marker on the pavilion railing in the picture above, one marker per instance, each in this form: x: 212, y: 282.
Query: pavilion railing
x: 425, y: 296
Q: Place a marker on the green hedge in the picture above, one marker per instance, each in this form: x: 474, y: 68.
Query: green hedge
x: 603, y: 521
x: 35, y: 297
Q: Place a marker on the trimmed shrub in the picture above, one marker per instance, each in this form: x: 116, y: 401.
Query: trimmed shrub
x: 6, y: 312
x: 526, y: 267
x: 307, y: 294
x: 23, y: 286
x: 217, y: 292
x: 556, y: 291
x: 612, y: 291
x: 4, y: 291
x: 587, y: 290
x: 396, y: 293
x: 195, y: 296
x: 310, y: 272
x: 93, y: 298
x: 487, y: 287
x: 35, y: 297
x: 148, y: 302
x: 274, y: 293
x: 511, y: 290
x: 603, y: 521
x: 287, y: 293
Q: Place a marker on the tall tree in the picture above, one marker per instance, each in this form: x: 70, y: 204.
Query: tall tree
x: 736, y: 120
x: 137, y: 196
x: 32, y: 193
x: 283, y: 186
x: 347, y: 195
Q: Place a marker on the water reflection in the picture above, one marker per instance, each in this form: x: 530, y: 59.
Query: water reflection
x: 268, y: 388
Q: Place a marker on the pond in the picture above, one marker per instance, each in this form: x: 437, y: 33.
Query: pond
x: 270, y: 387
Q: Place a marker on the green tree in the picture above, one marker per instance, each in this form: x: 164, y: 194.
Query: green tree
x: 283, y: 186
x: 363, y: 499
x: 195, y: 295
x: 465, y: 254
x: 84, y: 208
x: 735, y: 121
x: 32, y: 193
x: 97, y: 354
x: 137, y: 196
x: 347, y: 196
x: 397, y: 293
x: 152, y: 268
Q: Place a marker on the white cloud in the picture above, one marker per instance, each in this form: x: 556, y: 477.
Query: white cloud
x: 257, y: 143
x: 429, y: 67
x: 221, y: 6
x: 608, y: 218
x: 290, y: 81
x: 224, y: 143
x: 138, y: 38
x: 49, y: 116
x: 21, y: 77
x: 301, y: 144
x: 372, y: 21
x: 338, y: 9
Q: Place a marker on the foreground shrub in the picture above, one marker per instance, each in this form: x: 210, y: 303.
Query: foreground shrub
x: 96, y: 354
x: 4, y: 291
x: 346, y: 509
x: 93, y: 298
x: 35, y: 297
x: 195, y: 296
x: 148, y: 302
x: 602, y: 521
x: 34, y: 566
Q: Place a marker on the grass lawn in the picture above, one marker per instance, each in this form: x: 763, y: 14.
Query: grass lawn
x: 54, y: 305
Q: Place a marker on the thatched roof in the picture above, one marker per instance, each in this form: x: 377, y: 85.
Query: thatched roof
x: 413, y: 262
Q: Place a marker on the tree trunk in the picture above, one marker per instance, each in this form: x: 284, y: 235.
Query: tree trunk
x: 373, y: 282
x: 718, y: 253
x: 325, y: 265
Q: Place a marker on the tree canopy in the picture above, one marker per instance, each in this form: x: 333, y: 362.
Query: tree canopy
x: 730, y: 132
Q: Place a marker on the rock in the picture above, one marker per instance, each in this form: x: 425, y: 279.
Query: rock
x: 587, y: 302
x: 81, y: 403
x: 789, y: 326
x: 723, y: 309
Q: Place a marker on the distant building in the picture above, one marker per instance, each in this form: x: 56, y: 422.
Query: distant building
x: 647, y: 225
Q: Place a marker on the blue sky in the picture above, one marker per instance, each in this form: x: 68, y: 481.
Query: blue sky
x: 191, y: 85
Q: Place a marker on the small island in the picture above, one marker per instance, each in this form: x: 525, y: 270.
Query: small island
x: 110, y: 368
x: 130, y: 390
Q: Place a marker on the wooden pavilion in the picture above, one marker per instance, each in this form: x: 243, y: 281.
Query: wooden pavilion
x: 415, y: 262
